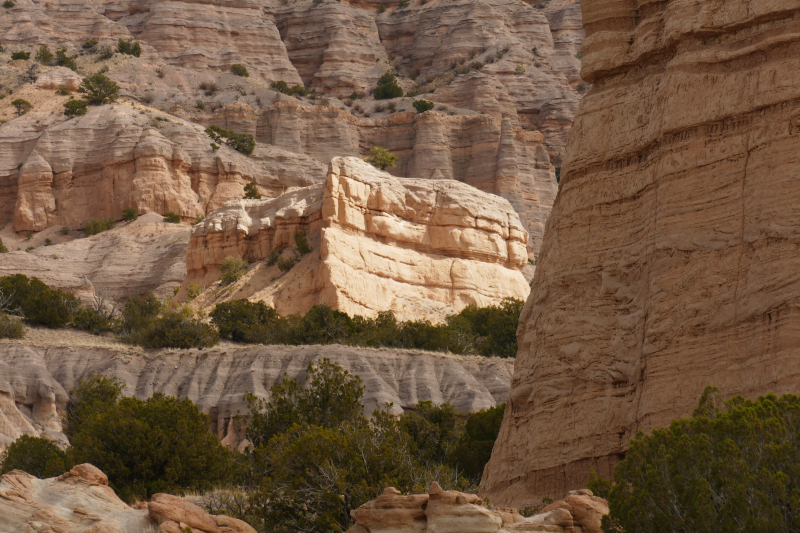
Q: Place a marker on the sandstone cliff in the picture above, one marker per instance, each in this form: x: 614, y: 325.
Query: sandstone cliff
x: 37, y: 373
x: 421, y: 248
x: 669, y: 261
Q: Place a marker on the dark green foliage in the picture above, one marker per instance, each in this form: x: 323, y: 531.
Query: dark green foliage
x: 381, y: 157
x: 494, y: 329
x: 22, y: 106
x: 733, y: 466
x: 387, y: 87
x: 232, y: 269
x: 99, y: 89
x: 21, y: 54
x: 283, y: 87
x: 161, y: 444
x: 63, y: 60
x: 91, y: 396
x: 434, y: 430
x: 93, y: 320
x: 75, y: 107
x: 558, y: 174
x: 172, y: 217
x: 63, y: 90
x: 179, y: 329
x: 599, y: 485
x: 8, y: 4
x: 3, y: 248
x: 130, y: 213
x: 106, y: 52
x: 285, y: 264
x: 99, y: 225
x: 241, y: 320
x: 91, y: 43
x: 301, y: 245
x: 137, y: 315
x: 11, y: 327
x: 36, y: 302
x: 240, y: 70
x: 130, y: 48
x: 422, y: 105
x: 64, y: 230
x: 474, y: 448
x: 48, y: 242
x: 250, y: 192
x: 37, y: 456
x: 44, y: 55
x: 241, y: 142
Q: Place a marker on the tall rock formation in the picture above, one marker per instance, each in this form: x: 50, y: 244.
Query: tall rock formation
x: 670, y: 261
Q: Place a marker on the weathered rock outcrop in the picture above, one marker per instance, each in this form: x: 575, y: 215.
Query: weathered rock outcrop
x: 421, y: 248
x: 670, y: 258
x: 81, y: 501
x: 442, y: 511
x: 36, y: 373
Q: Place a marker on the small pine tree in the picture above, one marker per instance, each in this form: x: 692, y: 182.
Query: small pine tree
x: 99, y: 90
x: 250, y: 192
x: 75, y: 107
x: 381, y: 157
x: 44, y: 55
x: 422, y: 105
x: 23, y: 106
x: 240, y: 70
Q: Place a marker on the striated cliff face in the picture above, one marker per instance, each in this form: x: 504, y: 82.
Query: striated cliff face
x: 421, y: 248
x: 670, y: 258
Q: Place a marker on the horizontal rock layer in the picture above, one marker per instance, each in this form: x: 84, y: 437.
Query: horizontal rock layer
x: 670, y: 258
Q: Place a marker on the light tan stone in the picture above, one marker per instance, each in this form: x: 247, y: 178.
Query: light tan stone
x: 669, y: 262
x: 59, y: 77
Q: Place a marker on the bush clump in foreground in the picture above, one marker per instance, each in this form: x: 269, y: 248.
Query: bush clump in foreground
x: 488, y: 331
x: 241, y: 142
x: 36, y: 302
x: 146, y: 322
x: 732, y: 466
x: 37, y: 456
x: 387, y: 88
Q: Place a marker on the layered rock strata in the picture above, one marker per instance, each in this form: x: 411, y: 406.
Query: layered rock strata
x: 442, y: 511
x: 36, y: 374
x: 669, y: 262
x: 81, y: 500
x: 421, y: 248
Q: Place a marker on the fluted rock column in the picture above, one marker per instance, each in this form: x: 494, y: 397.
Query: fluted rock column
x: 36, y: 205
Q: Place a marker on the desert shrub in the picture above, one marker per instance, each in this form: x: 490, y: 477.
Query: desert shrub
x: 474, y: 447
x: 198, y: 219
x: 21, y: 55
x: 285, y: 264
x: 251, y: 192
x: 136, y: 317
x: 381, y: 8
x: 232, y: 269
x: 241, y: 142
x: 99, y: 225
x: 11, y: 327
x: 392, y: 108
x: 283, y: 87
x: 381, y: 157
x: 48, y: 242
x: 22, y: 106
x: 105, y: 52
x: 129, y: 47
x: 240, y: 70
x: 732, y: 466
x: 36, y: 302
x: 161, y: 444
x: 91, y: 43
x: 44, y: 55
x: 242, y: 320
x: 75, y: 107
x: 422, y: 105
x: 64, y: 230
x: 29, y: 249
x: 193, y: 291
x: 179, y: 329
x: 172, y: 218
x: 387, y: 87
x: 301, y: 245
x: 63, y: 60
x: 130, y: 213
x: 434, y: 431
x: 491, y: 330
x: 3, y: 248
x: 209, y: 88
x: 8, y: 4
x: 62, y: 90
x: 95, y: 321
x: 99, y: 89
x: 37, y: 456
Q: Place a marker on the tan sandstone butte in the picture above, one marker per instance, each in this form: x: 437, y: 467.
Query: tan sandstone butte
x: 420, y: 248
x: 670, y: 259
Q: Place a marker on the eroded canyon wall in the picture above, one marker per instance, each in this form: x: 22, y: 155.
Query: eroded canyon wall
x: 670, y: 261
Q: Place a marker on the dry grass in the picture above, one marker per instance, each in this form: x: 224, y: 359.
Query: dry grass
x: 71, y: 338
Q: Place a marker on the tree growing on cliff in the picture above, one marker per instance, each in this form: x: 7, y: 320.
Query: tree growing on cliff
x: 422, y: 105
x: 99, y: 89
x: 251, y: 192
x: 44, y: 55
x: 387, y: 87
x: 732, y: 466
x: 129, y: 47
x: 22, y: 106
x: 241, y: 142
x: 381, y: 157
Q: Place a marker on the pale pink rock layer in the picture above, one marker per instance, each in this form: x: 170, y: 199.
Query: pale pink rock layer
x: 670, y: 259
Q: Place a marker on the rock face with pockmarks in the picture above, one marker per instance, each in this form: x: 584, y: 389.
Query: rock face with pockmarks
x: 670, y: 259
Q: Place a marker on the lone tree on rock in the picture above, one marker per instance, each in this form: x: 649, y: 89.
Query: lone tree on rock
x: 23, y: 106
x: 381, y: 157
x: 99, y: 90
x: 250, y: 192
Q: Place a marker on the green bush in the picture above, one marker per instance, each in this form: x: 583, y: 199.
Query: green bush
x: 172, y: 218
x: 63, y: 90
x: 240, y: 70
x: 283, y: 87
x: 21, y: 54
x: 232, y: 269
x: 193, y: 291
x: 434, y: 430
x: 11, y: 327
x: 129, y: 47
x: 63, y: 60
x: 474, y: 448
x: 301, y: 245
x: 130, y: 214
x: 137, y: 315
x: 106, y: 52
x: 91, y: 43
x: 37, y: 456
x: 250, y: 192
x: 36, y: 302
x: 22, y: 106
x: 3, y: 248
x: 99, y: 225
x: 44, y: 55
x: 387, y: 88
x: 381, y: 157
x: 95, y: 321
x: 422, y: 105
x: 285, y: 264
x: 241, y: 142
x: 178, y: 329
x: 99, y: 89
x: 75, y: 107
x: 732, y: 466
x: 240, y: 320
x: 161, y: 444
x: 8, y: 4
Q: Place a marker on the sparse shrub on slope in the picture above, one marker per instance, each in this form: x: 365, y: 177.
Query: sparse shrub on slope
x: 130, y: 47
x: 251, y: 192
x: 232, y: 269
x: 241, y: 142
x: 11, y: 327
x: 22, y: 106
x: 381, y: 157
x: 99, y: 225
x: 75, y: 107
x: 387, y: 88
x: 98, y: 90
x: 240, y: 70
x: 37, y: 456
x: 422, y: 105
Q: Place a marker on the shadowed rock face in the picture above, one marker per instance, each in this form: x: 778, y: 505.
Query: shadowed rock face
x: 34, y: 381
x: 670, y: 258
